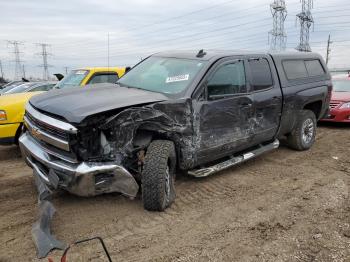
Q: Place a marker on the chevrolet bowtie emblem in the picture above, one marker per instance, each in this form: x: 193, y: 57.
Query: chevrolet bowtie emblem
x: 36, y: 132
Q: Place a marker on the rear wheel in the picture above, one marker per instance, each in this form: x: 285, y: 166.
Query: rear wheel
x: 304, y: 133
x: 158, y: 175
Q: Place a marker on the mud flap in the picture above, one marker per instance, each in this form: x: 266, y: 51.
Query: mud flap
x: 41, y: 233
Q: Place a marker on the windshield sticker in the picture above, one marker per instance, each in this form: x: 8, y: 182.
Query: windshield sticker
x: 177, y: 78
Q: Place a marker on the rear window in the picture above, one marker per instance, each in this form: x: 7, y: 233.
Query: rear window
x: 103, y: 78
x: 314, y: 67
x: 295, y: 69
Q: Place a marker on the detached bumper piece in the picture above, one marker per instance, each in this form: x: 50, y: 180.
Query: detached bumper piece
x: 41, y: 232
x: 83, y: 179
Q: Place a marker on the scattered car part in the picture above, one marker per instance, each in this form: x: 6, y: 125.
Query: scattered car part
x: 64, y: 256
x: 41, y: 233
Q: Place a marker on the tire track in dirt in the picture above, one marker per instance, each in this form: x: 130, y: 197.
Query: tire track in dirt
x: 265, y: 194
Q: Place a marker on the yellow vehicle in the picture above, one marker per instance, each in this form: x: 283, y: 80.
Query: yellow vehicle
x: 91, y: 75
x: 12, y: 105
x: 11, y: 116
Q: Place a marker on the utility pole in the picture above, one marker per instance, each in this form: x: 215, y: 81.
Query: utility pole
x: 18, y: 67
x: 278, y: 35
x: 45, y: 64
x: 2, y: 72
x: 305, y: 20
x: 108, y: 50
x: 66, y: 69
x: 328, y: 49
x: 24, y: 71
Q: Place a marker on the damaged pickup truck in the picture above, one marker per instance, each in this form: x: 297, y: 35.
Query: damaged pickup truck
x: 198, y: 112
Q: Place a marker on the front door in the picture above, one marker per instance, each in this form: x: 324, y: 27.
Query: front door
x: 223, y: 114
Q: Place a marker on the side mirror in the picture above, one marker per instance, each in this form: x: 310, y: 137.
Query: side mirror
x: 127, y: 69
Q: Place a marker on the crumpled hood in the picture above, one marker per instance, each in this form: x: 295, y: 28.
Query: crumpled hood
x: 76, y: 104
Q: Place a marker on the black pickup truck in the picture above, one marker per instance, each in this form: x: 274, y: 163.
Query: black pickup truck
x: 198, y: 112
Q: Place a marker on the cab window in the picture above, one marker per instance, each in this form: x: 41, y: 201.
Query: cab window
x: 103, y: 78
x: 46, y: 87
x: 229, y: 79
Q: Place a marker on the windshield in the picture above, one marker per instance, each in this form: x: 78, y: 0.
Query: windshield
x: 74, y: 78
x: 21, y: 88
x: 9, y: 87
x: 341, y: 85
x: 162, y: 74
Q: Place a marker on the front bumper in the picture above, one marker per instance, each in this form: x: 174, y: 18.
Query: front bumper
x: 338, y: 115
x: 8, y: 133
x: 83, y: 179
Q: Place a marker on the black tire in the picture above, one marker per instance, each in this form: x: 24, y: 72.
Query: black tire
x: 304, y: 133
x: 158, y: 175
x: 19, y: 132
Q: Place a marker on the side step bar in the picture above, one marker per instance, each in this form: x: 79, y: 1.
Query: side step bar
x: 203, y: 172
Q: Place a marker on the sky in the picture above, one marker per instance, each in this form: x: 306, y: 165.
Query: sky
x: 78, y: 31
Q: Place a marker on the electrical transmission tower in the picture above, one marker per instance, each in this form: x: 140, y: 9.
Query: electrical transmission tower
x: 45, y: 64
x: 18, y: 66
x: 277, y: 36
x: 306, y: 20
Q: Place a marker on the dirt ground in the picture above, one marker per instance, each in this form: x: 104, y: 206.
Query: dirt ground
x: 282, y: 206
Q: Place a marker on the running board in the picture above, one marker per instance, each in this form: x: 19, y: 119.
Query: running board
x: 203, y: 172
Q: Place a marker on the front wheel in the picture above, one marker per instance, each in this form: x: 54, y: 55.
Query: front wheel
x: 304, y: 133
x: 158, y: 175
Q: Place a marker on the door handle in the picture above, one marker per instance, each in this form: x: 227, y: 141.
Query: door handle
x: 246, y: 104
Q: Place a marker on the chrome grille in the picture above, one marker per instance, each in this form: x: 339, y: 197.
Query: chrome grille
x: 48, y: 130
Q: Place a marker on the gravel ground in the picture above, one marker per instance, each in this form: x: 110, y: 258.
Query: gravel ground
x: 282, y: 206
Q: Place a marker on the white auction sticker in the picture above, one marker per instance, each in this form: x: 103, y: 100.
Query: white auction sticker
x: 178, y: 78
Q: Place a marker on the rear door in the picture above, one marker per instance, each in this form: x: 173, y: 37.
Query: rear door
x: 267, y: 98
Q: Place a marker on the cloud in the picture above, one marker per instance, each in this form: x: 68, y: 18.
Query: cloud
x: 77, y: 30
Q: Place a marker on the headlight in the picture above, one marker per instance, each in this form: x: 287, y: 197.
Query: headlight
x: 3, y: 115
x: 345, y: 106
